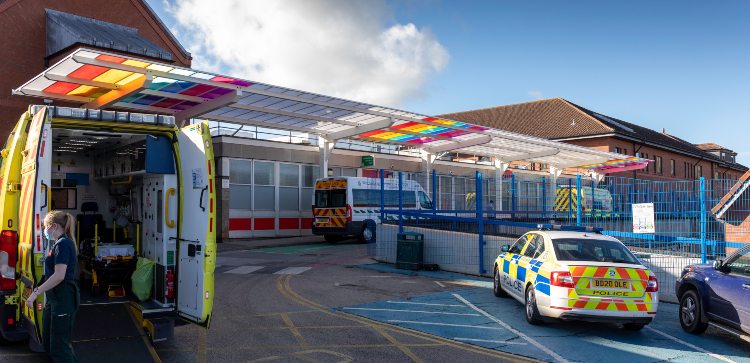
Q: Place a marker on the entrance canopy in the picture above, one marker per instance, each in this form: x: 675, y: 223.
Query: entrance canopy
x: 96, y: 79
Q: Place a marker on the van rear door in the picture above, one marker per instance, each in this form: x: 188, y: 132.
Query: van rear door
x: 36, y: 170
x: 197, y: 235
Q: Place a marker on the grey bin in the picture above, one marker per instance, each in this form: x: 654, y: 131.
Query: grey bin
x: 409, y: 250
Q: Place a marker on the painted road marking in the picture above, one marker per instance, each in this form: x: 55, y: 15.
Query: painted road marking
x: 439, y: 283
x: 692, y: 346
x: 419, y: 303
x: 244, y: 270
x: 488, y: 341
x: 292, y: 271
x: 445, y: 324
x: 523, y: 336
x: 413, y: 311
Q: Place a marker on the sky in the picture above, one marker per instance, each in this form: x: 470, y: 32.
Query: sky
x: 683, y: 66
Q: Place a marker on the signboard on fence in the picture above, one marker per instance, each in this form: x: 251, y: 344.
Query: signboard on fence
x: 643, y: 218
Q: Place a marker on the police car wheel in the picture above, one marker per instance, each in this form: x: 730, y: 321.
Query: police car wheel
x: 633, y: 326
x: 691, y: 312
x: 532, y: 313
x: 499, y: 292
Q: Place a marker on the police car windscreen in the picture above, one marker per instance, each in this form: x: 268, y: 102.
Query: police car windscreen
x: 571, y: 249
x: 333, y: 198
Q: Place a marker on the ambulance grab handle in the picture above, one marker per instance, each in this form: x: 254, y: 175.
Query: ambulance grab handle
x: 46, y: 195
x: 200, y: 201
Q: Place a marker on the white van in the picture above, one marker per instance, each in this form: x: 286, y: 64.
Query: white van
x: 350, y: 206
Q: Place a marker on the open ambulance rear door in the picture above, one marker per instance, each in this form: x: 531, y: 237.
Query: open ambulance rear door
x: 197, y: 235
x: 36, y: 170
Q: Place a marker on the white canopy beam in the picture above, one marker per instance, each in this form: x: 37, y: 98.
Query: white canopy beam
x: 208, y: 106
x: 532, y: 156
x: 121, y: 92
x: 293, y: 114
x: 360, y: 129
x: 459, y: 144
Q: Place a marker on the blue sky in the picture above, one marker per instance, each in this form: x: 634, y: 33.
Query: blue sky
x: 679, y: 65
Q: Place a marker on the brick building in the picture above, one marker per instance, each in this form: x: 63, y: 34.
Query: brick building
x: 44, y: 31
x: 561, y: 120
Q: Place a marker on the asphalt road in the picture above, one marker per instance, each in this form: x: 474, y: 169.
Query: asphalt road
x: 276, y: 304
x: 318, y: 303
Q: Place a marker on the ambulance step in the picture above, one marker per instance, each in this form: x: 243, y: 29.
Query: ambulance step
x: 109, y: 330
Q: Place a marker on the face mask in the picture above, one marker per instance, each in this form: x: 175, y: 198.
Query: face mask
x: 48, y: 234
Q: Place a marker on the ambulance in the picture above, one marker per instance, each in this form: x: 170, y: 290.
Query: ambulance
x: 350, y: 206
x: 596, y: 202
x: 139, y: 186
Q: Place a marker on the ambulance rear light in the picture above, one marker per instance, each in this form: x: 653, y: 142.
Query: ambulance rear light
x: 102, y: 115
x: 349, y: 212
x: 8, y: 255
x: 653, y: 284
x: 561, y: 279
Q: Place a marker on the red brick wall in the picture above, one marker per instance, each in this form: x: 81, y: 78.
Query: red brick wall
x: 23, y: 48
x: 611, y: 144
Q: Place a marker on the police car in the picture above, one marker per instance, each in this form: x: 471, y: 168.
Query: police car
x: 577, y: 275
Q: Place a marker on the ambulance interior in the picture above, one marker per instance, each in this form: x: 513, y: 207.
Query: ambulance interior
x: 122, y: 190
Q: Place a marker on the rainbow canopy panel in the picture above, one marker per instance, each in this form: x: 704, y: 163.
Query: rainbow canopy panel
x: 101, y: 80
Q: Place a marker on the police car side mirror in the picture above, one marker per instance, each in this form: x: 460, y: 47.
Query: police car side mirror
x: 505, y: 248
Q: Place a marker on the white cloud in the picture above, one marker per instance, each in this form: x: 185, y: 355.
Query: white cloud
x: 338, y: 48
x: 536, y: 94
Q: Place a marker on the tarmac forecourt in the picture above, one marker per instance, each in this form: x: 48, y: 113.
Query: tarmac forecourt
x: 474, y: 315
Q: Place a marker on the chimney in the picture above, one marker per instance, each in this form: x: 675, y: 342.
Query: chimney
x: 663, y: 130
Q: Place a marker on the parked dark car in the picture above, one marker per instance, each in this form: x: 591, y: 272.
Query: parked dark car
x: 718, y: 293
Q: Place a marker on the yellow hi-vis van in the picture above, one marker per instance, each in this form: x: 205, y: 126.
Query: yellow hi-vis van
x: 596, y: 204
x: 138, y: 187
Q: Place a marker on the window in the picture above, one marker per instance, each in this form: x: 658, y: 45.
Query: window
x: 371, y: 198
x: 424, y: 201
x: 309, y: 175
x: 698, y: 171
x: 334, y: 198
x: 571, y: 249
x: 518, y: 246
x: 535, y: 247
x: 618, y: 150
x: 740, y: 264
x: 265, y: 189
x: 446, y: 192
x: 671, y: 167
x: 657, y: 165
x: 240, y: 184
x: 625, y: 151
x: 289, y: 187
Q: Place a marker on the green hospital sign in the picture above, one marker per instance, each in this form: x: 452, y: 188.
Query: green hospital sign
x: 368, y: 160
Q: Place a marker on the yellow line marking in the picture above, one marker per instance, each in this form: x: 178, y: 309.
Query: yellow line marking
x: 285, y: 289
x: 297, y: 335
x: 398, y: 344
x: 346, y: 358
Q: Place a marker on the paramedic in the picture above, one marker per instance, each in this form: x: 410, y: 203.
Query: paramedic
x: 490, y: 210
x: 63, y: 296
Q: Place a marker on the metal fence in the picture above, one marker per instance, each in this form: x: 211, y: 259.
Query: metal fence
x: 472, y: 216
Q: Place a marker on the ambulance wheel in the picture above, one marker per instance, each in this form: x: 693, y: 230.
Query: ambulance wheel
x: 532, y: 313
x: 332, y: 238
x: 499, y: 292
x: 691, y: 311
x: 368, y: 233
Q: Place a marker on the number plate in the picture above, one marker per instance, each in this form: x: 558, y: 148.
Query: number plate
x: 610, y: 284
x: 322, y: 220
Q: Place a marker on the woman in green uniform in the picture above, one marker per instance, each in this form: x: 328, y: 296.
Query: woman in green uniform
x: 60, y: 286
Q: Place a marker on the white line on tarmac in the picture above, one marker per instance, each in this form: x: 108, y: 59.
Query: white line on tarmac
x: 445, y: 324
x: 439, y: 283
x: 488, y: 341
x: 692, y: 346
x: 419, y: 303
x: 244, y: 270
x: 413, y: 311
x: 523, y: 336
x: 292, y: 271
